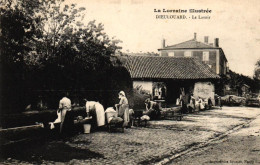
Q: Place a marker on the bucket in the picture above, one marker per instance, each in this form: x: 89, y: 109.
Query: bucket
x: 87, y: 128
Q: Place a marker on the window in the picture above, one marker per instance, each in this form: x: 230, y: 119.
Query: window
x: 205, y: 56
x: 171, y: 54
x: 187, y: 54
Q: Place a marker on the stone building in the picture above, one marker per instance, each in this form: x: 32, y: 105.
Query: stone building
x: 165, y: 78
x: 209, y: 53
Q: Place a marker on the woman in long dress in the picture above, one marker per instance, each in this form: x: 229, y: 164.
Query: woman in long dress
x: 96, y: 109
x: 123, y: 108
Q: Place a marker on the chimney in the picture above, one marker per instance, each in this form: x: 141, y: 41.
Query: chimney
x: 195, y: 36
x: 216, y: 42
x: 206, y: 39
x: 163, y: 43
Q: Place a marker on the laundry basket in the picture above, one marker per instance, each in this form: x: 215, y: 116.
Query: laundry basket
x: 111, y: 114
x: 111, y: 123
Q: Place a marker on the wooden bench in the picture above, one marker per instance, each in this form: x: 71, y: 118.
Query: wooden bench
x: 20, y: 134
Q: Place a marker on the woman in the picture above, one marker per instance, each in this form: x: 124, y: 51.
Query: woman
x: 152, y: 109
x: 123, y: 108
x: 66, y: 117
x: 191, y: 105
x: 201, y: 103
x: 96, y: 110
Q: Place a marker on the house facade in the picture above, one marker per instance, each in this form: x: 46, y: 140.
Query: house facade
x: 208, y: 53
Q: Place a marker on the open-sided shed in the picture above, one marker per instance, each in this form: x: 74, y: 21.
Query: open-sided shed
x: 166, y: 77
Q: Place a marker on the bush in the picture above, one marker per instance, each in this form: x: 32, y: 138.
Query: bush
x: 138, y: 99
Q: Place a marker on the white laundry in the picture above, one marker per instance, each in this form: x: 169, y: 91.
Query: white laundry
x: 58, y: 120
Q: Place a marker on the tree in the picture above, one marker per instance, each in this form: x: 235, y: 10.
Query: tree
x: 257, y: 70
x: 236, y: 81
x: 78, y: 53
x: 17, y: 31
x: 62, y: 30
x: 52, y: 48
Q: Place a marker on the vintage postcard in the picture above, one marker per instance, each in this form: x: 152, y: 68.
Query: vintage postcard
x: 130, y: 82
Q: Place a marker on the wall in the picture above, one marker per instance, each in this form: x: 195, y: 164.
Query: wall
x: 144, y: 85
x: 222, y: 63
x: 204, y: 90
x: 196, y: 54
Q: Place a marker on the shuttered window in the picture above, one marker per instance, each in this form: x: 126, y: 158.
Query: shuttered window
x: 205, y: 56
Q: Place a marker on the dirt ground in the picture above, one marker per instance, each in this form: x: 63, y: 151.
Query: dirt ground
x: 240, y: 147
x: 201, y: 138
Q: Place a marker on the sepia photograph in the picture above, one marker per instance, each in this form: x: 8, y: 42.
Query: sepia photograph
x: 130, y: 82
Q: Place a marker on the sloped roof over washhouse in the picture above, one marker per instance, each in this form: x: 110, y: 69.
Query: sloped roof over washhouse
x: 151, y: 67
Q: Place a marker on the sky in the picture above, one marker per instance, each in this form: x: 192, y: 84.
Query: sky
x: 235, y: 22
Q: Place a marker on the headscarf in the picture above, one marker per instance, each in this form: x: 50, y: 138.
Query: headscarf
x: 122, y: 93
x: 147, y: 100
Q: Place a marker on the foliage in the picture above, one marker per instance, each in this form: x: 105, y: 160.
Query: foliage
x: 18, y: 29
x: 257, y: 70
x: 47, y: 47
x: 236, y: 81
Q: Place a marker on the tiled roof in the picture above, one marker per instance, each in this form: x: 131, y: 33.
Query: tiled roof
x: 167, y: 67
x: 189, y: 44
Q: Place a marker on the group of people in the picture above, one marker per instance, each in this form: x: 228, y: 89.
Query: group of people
x: 198, y: 104
x: 94, y: 109
x: 190, y: 104
x: 159, y: 92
